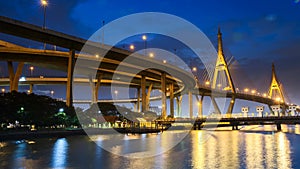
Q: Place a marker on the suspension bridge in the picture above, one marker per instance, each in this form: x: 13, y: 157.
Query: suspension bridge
x: 171, y: 81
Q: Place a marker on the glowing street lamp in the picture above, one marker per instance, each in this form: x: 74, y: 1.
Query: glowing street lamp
x: 253, y: 91
x: 164, y: 61
x: 144, y: 37
x: 31, y: 68
x: 194, y: 69
x: 246, y: 90
x: 3, y: 90
x: 116, y: 93
x: 52, y: 93
x: 207, y: 83
x: 151, y: 55
x: 44, y: 4
x: 131, y: 47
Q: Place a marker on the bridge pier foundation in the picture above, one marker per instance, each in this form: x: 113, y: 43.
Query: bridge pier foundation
x: 278, y: 125
x: 197, y: 126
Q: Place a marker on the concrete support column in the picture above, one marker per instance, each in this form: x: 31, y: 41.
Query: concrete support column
x: 148, y: 96
x: 217, y: 109
x: 231, y: 105
x: 93, y: 88
x: 179, y: 101
x: 98, y: 83
x: 144, y: 95
x: 71, y: 62
x: 30, y: 88
x: 138, y: 99
x: 200, y: 105
x: 14, y: 77
x: 172, y: 99
x: 163, y: 98
x: 191, y: 103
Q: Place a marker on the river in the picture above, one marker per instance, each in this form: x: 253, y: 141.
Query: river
x: 251, y: 147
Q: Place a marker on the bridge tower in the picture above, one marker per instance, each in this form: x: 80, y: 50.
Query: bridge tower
x: 275, y: 90
x: 222, y: 67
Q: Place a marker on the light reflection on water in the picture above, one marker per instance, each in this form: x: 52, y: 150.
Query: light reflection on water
x: 60, y: 153
x: 251, y: 147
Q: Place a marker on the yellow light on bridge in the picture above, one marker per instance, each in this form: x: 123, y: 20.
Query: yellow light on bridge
x: 246, y: 90
x: 207, y: 83
x: 97, y: 56
x: 194, y: 69
x: 253, y: 91
x: 151, y: 55
x: 219, y: 85
x: 164, y: 61
x: 265, y: 95
x: 131, y: 47
x: 44, y: 2
x: 144, y: 37
x: 2, y: 90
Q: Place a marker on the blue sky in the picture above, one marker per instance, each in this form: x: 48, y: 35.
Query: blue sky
x: 255, y: 32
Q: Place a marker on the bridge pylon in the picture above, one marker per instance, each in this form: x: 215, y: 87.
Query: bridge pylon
x: 275, y: 90
x: 222, y: 67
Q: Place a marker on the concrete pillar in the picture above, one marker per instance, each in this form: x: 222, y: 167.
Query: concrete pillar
x: 98, y: 83
x: 191, y: 103
x: 11, y: 75
x: 179, y: 101
x: 71, y: 62
x: 163, y: 94
x: 30, y: 88
x: 14, y: 77
x: 138, y: 99
x: 171, y: 100
x: 148, y: 96
x: 200, y: 106
x: 217, y: 109
x: 93, y: 88
x: 143, y: 86
x: 231, y: 105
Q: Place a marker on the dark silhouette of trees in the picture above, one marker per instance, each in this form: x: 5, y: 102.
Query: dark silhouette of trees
x: 32, y: 109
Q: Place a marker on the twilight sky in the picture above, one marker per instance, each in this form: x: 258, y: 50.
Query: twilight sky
x: 255, y: 32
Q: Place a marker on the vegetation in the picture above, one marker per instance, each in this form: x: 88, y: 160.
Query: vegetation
x: 31, y: 109
x: 43, y: 111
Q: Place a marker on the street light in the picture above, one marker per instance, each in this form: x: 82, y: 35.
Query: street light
x: 3, y: 90
x: 31, y: 68
x: 246, y: 90
x: 144, y: 37
x: 131, y: 47
x: 207, y: 83
x: 44, y: 4
x: 194, y: 69
x: 151, y: 55
x: 51, y: 92
x: 116, y: 93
